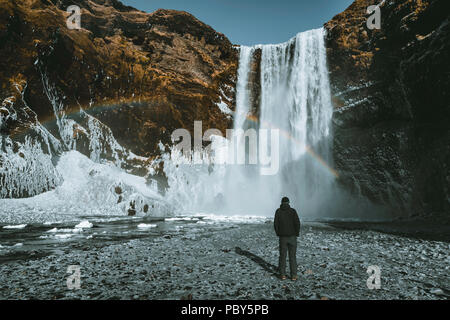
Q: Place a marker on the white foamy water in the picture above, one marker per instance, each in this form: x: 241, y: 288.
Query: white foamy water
x: 296, y: 99
x: 242, y: 89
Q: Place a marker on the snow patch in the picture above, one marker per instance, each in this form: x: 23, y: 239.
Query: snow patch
x: 146, y: 226
x: 18, y: 226
x: 84, y: 225
x: 88, y: 188
x: 224, y: 108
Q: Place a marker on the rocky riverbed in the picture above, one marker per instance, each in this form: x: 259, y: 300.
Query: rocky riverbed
x: 226, y: 259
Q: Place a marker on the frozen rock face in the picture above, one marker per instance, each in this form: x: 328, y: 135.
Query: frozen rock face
x: 390, y: 91
x: 113, y: 89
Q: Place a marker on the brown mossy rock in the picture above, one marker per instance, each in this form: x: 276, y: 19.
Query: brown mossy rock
x: 142, y: 74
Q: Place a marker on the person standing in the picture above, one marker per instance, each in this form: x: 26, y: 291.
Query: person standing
x: 287, y: 228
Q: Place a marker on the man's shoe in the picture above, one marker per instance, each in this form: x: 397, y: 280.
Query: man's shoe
x: 283, y: 277
x: 294, y: 278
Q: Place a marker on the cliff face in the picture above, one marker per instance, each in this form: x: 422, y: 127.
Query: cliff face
x: 156, y: 72
x: 127, y: 79
x: 390, y: 90
x: 136, y: 76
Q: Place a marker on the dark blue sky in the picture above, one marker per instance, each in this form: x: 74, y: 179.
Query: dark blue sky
x: 250, y: 22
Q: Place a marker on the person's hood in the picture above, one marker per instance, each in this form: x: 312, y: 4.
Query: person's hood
x: 284, y: 206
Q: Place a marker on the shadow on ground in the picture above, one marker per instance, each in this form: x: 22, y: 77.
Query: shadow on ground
x: 273, y: 270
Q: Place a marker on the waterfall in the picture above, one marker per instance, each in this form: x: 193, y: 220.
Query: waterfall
x: 295, y: 91
x: 295, y: 99
x: 242, y: 90
x: 291, y: 96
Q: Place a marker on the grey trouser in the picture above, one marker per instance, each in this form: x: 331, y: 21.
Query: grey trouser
x: 288, y: 244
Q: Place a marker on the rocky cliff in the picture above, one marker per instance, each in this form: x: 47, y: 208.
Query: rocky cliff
x: 127, y: 79
x: 114, y: 88
x: 391, y: 93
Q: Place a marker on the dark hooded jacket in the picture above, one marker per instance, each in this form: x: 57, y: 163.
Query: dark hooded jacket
x: 286, y: 221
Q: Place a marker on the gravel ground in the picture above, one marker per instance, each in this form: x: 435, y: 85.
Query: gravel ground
x: 236, y: 262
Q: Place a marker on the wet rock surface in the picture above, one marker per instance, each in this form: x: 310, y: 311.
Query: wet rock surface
x: 236, y: 261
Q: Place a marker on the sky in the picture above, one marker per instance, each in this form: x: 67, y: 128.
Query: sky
x: 250, y: 22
